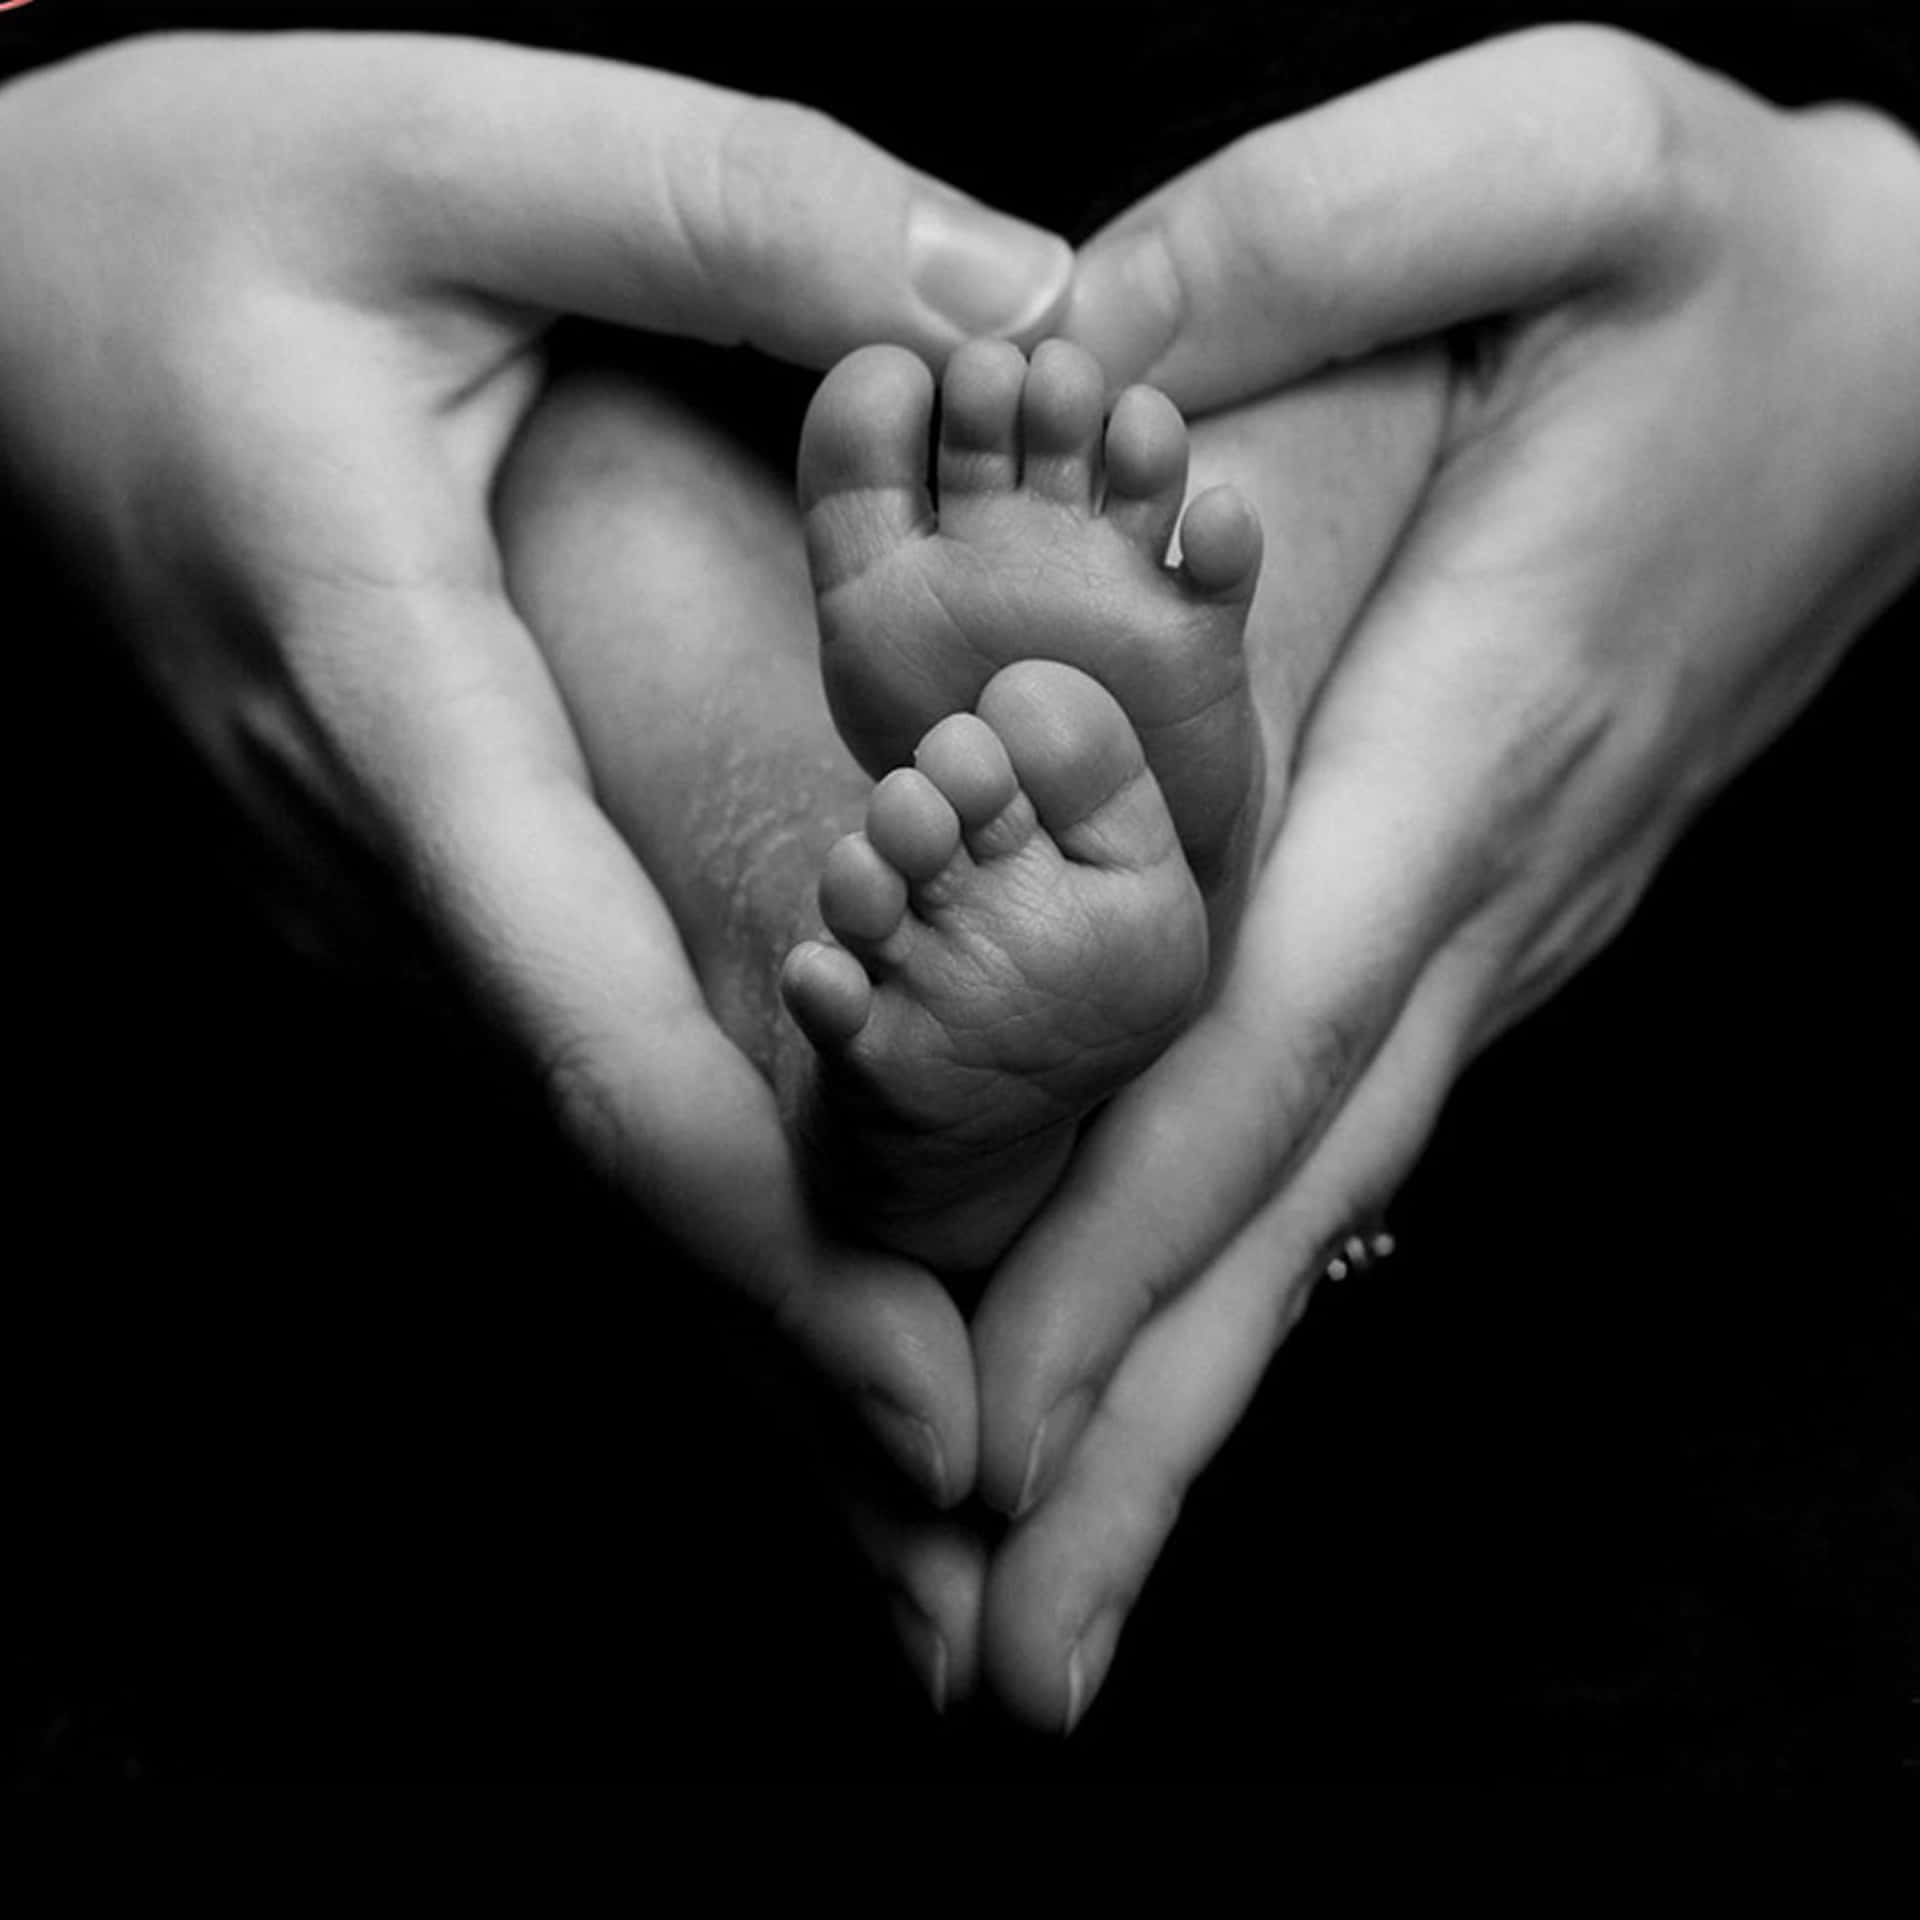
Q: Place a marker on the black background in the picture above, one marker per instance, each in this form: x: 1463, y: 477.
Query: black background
x: 358, y: 1437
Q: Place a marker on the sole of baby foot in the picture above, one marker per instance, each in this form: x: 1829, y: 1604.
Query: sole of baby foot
x: 1015, y: 934
x: 1048, y: 538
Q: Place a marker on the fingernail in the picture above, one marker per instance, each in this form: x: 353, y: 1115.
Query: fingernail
x: 925, y: 1647
x: 1087, y: 1664
x: 1126, y: 305
x: 912, y: 1443
x: 982, y: 272
x: 1052, y: 1441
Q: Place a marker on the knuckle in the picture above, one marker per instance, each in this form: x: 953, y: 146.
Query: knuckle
x: 1327, y: 1059
x: 408, y: 114
x: 1628, y: 111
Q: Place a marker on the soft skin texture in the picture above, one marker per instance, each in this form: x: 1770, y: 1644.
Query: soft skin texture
x: 1681, y: 471
x: 1016, y: 935
x: 267, y: 394
x: 1049, y: 540
x: 661, y: 566
x: 271, y: 316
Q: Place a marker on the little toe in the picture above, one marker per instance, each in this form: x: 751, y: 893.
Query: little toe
x: 1220, y: 545
x: 912, y: 825
x: 1075, y: 753
x: 980, y: 420
x: 863, y: 462
x: 1146, y: 461
x: 827, y: 991
x: 1060, y: 412
x: 863, y: 896
x: 965, y: 759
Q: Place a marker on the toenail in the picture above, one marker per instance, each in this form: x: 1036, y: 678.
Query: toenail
x: 982, y: 272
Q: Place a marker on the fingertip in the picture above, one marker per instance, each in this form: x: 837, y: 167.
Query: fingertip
x: 938, y: 1575
x: 1126, y: 304
x: 1050, y: 1446
x: 1088, y: 1661
x: 926, y: 1649
x: 1049, y: 1629
x: 981, y: 272
x: 912, y: 1443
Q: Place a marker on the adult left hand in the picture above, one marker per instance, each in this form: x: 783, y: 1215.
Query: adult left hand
x: 272, y: 315
x: 1680, y: 472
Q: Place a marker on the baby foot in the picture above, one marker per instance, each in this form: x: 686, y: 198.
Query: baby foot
x: 1018, y: 934
x: 1050, y: 543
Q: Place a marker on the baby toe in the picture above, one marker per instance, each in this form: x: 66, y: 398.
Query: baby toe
x: 827, y: 991
x: 964, y: 758
x: 1146, y: 465
x: 980, y: 420
x: 912, y: 825
x: 1060, y: 414
x: 863, y: 896
x: 1220, y: 545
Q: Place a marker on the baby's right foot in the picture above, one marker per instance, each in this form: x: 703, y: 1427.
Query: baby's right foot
x: 1017, y: 934
x: 1050, y: 543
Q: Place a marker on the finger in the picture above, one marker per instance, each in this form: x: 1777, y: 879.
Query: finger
x: 931, y: 1569
x: 584, y: 186
x: 1510, y: 174
x: 1062, y: 1586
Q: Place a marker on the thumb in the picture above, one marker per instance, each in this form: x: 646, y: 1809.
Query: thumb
x: 1509, y: 174
x: 579, y: 185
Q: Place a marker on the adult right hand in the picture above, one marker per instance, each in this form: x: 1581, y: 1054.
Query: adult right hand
x: 270, y: 320
x: 1679, y: 475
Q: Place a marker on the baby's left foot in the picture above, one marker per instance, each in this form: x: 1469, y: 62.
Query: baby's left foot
x: 1049, y: 542
x: 1019, y: 935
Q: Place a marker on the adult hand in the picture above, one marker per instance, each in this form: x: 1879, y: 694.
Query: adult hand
x: 270, y: 319
x: 1680, y: 472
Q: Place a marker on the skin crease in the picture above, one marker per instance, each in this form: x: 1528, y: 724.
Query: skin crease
x: 1548, y: 510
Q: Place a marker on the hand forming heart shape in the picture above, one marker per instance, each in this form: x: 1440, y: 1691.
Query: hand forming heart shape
x: 1629, y: 516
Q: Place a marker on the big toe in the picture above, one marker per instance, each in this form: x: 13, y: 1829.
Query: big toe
x: 1075, y: 753
x: 863, y: 462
